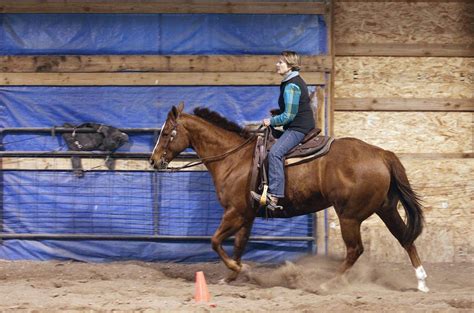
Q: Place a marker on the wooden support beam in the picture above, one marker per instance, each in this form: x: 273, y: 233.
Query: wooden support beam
x: 404, y: 104
x: 88, y: 164
x: 435, y: 156
x: 405, y: 49
x: 408, y: 1
x: 332, y: 52
x: 150, y: 79
x: 153, y: 63
x: 157, y: 6
x: 95, y: 164
x: 98, y: 164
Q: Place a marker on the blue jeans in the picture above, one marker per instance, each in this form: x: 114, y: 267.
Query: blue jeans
x: 276, y: 166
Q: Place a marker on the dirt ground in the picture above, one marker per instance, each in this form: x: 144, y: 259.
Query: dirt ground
x: 165, y: 287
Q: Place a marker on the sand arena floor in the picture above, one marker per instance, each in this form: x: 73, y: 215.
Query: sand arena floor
x: 289, y: 287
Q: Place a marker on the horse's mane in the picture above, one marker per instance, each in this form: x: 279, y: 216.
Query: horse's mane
x: 220, y: 121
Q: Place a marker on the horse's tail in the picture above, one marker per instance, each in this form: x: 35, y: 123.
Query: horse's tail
x: 409, y: 199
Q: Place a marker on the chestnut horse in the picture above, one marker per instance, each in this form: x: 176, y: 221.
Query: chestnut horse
x: 356, y: 178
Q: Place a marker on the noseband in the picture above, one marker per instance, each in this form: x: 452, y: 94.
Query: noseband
x: 173, y: 134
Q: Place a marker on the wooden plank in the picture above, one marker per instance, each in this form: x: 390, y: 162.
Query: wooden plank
x: 404, y: 49
x: 156, y: 6
x: 317, y: 100
x: 149, y: 79
x: 152, y: 63
x: 88, y: 164
x: 97, y: 164
x: 409, y: 1
x: 331, y: 76
x: 404, y: 22
x: 404, y: 104
x: 404, y: 77
x: 436, y: 156
x: 409, y: 131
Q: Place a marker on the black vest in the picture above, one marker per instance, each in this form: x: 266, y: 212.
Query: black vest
x: 304, y: 120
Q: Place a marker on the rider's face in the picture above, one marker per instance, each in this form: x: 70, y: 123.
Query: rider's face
x: 282, y: 67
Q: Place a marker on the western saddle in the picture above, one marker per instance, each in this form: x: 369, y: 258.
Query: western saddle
x: 312, y: 146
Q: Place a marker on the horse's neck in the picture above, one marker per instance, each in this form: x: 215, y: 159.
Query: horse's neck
x: 209, y: 140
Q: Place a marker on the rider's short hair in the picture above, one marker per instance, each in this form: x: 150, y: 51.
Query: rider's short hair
x: 292, y: 59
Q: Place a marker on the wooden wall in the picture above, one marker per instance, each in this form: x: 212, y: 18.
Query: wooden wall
x: 404, y: 81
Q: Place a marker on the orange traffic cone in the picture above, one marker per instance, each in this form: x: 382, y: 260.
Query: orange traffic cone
x: 201, y: 295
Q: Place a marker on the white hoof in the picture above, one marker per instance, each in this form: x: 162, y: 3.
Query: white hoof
x: 422, y: 287
x: 421, y: 276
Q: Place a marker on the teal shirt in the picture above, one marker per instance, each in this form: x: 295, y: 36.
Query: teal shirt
x: 291, y: 95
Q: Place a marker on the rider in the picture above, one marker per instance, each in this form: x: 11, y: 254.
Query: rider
x: 296, y: 117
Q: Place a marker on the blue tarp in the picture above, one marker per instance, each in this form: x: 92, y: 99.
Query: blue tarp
x: 161, y: 34
x: 111, y: 203
x: 122, y: 203
x: 56, y: 202
x: 121, y: 107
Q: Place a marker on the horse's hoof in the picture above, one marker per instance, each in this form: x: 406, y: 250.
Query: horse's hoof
x: 232, y: 276
x: 423, y: 288
x: 222, y: 281
x: 245, y: 269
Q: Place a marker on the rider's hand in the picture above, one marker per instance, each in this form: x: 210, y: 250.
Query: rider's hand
x: 275, y: 112
x: 266, y: 122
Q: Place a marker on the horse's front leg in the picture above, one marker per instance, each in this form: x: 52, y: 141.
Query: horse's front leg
x: 240, y: 242
x: 231, y: 223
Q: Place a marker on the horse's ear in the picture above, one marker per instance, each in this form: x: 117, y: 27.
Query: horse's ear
x: 176, y: 111
x: 180, y: 107
x: 173, y: 113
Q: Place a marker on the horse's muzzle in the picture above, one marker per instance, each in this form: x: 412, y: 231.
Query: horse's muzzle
x: 152, y: 162
x: 163, y: 164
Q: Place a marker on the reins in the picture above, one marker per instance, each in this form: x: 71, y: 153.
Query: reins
x: 215, y: 157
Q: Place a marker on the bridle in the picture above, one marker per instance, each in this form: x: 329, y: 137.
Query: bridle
x: 174, y: 132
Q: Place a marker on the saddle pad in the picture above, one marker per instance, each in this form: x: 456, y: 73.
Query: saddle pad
x: 310, y: 153
x: 309, y: 147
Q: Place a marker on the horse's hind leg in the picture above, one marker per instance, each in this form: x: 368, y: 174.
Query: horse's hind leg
x: 397, y: 227
x: 350, y: 230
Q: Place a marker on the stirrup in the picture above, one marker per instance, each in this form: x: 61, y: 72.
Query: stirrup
x: 264, y: 196
x: 274, y: 207
x: 268, y: 203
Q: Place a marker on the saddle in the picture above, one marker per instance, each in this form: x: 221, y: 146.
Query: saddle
x: 310, y: 144
x: 311, y: 147
x: 101, y: 137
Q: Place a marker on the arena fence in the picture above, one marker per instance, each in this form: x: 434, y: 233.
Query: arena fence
x: 41, y: 198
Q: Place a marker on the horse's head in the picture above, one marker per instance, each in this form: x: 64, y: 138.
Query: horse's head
x: 173, y: 139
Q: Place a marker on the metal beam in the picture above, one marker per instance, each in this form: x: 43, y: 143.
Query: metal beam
x: 140, y: 237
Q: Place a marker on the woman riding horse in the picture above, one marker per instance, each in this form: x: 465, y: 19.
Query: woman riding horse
x: 296, y: 117
x: 356, y: 178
